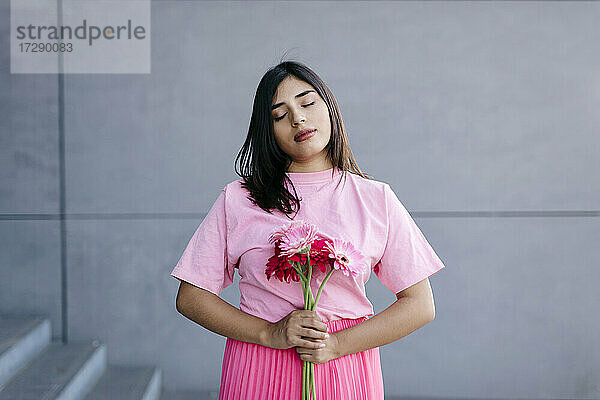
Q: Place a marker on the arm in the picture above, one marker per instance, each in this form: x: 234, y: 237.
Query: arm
x: 413, y: 309
x: 215, y: 314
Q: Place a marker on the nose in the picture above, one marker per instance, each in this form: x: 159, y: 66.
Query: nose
x: 297, y: 118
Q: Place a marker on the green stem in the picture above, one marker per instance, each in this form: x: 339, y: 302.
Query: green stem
x: 304, y: 291
x: 309, y: 267
x: 305, y: 369
x: 303, y: 380
x: 293, y: 264
x: 304, y: 283
x: 321, y: 288
x: 305, y: 287
x: 308, y: 380
x: 312, y: 380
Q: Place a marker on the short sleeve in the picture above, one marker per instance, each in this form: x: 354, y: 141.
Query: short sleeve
x: 204, y: 262
x: 407, y: 258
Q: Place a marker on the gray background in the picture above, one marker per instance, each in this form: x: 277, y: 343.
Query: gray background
x: 482, y: 116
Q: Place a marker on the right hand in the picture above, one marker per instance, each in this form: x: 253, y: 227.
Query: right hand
x: 299, y: 328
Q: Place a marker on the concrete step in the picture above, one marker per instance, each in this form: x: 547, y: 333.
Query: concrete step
x: 128, y: 383
x: 33, y: 367
x: 22, y: 338
x: 60, y: 372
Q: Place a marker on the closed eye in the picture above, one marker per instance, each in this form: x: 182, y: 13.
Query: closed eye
x: 305, y: 105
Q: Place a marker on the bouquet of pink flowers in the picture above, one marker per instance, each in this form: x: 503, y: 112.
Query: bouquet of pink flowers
x: 299, y: 247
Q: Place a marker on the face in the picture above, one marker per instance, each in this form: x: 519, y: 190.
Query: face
x: 298, y: 106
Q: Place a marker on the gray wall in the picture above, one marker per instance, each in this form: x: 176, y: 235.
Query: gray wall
x: 483, y: 116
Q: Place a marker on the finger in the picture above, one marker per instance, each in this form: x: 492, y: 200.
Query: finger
x: 308, y: 313
x: 312, y: 345
x: 320, y: 325
x: 311, y: 333
x: 312, y: 315
x: 314, y: 323
x: 312, y: 357
x: 304, y: 350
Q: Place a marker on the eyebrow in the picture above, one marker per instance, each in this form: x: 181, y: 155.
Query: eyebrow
x: 274, y: 106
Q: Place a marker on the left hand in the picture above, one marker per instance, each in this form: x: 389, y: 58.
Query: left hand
x: 321, y: 355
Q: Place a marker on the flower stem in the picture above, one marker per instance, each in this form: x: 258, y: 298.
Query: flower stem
x: 305, y: 284
x: 312, y: 305
x: 293, y: 264
x: 303, y: 380
x: 312, y: 380
x: 321, y: 288
x: 307, y: 306
x: 308, y: 266
x: 304, y: 291
x: 308, y: 368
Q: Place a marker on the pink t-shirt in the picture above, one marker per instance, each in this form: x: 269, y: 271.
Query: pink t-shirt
x: 234, y: 234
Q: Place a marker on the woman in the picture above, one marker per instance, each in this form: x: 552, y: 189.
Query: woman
x: 296, y: 163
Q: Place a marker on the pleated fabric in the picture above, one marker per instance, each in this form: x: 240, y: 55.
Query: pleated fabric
x: 254, y: 372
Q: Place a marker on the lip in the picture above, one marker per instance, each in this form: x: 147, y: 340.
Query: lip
x: 303, y: 132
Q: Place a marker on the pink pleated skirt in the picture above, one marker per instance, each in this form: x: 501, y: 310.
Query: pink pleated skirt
x: 254, y: 372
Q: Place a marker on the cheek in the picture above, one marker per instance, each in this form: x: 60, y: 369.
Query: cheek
x: 323, y: 115
x: 279, y: 131
x: 278, y: 138
x: 324, y: 121
x: 324, y: 111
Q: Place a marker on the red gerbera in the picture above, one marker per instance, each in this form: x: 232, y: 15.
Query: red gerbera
x: 279, y: 266
x: 320, y: 254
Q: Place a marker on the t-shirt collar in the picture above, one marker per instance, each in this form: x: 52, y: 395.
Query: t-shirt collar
x: 313, y: 177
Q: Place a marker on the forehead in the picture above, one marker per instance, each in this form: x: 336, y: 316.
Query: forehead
x: 289, y: 87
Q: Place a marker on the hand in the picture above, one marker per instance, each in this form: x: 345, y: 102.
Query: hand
x: 299, y: 328
x: 321, y: 355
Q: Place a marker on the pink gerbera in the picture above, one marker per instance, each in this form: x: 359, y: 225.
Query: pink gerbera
x: 346, y: 258
x: 297, y: 238
x: 282, y: 231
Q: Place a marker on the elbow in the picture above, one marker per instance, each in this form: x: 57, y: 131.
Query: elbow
x: 432, y: 316
x: 428, y: 311
x: 431, y: 312
x: 180, y: 304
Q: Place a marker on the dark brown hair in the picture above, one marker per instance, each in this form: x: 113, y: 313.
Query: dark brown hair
x: 262, y: 163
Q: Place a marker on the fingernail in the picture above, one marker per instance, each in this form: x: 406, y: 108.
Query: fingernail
x: 322, y: 345
x: 326, y: 335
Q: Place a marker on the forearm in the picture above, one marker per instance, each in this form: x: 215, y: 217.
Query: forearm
x: 400, y: 319
x: 218, y: 316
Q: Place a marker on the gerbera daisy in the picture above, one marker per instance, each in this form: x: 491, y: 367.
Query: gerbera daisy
x: 345, y: 257
x: 282, y: 231
x: 280, y: 267
x: 297, y: 238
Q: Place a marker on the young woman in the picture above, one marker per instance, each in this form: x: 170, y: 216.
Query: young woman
x: 295, y: 164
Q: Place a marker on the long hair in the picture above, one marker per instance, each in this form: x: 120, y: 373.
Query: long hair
x: 262, y: 163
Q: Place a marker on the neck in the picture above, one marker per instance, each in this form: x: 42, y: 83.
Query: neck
x: 310, y: 166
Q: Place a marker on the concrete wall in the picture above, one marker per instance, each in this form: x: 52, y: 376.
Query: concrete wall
x: 30, y: 262
x: 483, y: 116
